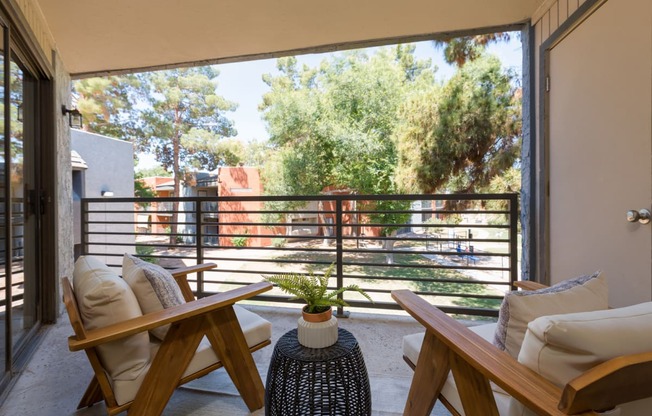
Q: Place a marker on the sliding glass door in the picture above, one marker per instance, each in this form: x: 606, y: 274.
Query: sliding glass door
x: 20, y: 294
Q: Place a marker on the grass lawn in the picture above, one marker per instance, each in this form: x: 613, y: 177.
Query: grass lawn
x: 373, y: 272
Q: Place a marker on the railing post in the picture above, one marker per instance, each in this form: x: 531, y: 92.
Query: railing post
x: 83, y: 226
x: 339, y: 257
x: 513, y: 239
x: 198, y: 243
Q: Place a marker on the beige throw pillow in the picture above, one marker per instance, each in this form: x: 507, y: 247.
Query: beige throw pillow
x: 581, y: 294
x: 154, y: 287
x: 105, y: 299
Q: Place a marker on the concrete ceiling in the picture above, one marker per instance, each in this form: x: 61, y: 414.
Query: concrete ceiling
x: 100, y: 36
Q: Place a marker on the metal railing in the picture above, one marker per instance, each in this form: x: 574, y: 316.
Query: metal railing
x: 458, y: 251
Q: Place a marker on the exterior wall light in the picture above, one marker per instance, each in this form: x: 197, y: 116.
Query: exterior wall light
x: 107, y: 193
x: 74, y: 117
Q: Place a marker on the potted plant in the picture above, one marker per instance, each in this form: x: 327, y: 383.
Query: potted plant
x: 317, y: 327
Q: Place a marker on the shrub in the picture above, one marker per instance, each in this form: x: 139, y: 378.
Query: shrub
x: 144, y: 252
x: 278, y: 242
x: 240, y: 241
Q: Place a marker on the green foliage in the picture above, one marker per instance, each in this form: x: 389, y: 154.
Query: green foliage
x: 141, y: 190
x: 144, y: 252
x: 239, y: 241
x: 462, y: 49
x: 444, y: 219
x: 332, y: 125
x: 107, y: 104
x: 278, y: 242
x: 459, y: 138
x: 184, y: 118
x: 313, y: 289
x: 154, y: 171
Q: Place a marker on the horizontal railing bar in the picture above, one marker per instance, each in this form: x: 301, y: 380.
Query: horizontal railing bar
x: 426, y: 211
x: 361, y: 277
x: 440, y: 294
x: 456, y: 310
x: 158, y: 256
x: 266, y: 260
x: 324, y: 250
x: 93, y: 211
x: 349, y: 197
x: 109, y: 222
x: 424, y: 266
x: 442, y: 253
x: 314, y: 237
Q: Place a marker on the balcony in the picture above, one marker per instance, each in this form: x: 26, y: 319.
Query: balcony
x: 48, y: 388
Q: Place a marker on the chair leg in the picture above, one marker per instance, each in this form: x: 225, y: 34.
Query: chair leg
x: 474, y: 389
x: 168, y: 366
x: 429, y: 377
x: 92, y: 395
x: 229, y: 343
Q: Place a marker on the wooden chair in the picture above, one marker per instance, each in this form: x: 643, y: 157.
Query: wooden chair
x: 449, y: 346
x: 212, y: 316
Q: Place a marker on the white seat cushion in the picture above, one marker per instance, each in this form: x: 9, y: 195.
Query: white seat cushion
x: 255, y: 329
x: 412, y: 347
x: 412, y: 343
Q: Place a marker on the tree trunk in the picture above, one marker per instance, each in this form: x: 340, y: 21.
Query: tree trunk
x: 389, y: 245
x: 177, y: 181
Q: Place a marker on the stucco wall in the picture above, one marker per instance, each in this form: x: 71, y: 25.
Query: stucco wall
x: 110, y: 169
x: 63, y: 197
x: 110, y: 164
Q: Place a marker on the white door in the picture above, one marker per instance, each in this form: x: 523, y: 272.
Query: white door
x: 600, y: 149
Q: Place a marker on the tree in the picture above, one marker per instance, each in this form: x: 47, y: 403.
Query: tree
x: 154, y: 171
x: 332, y: 125
x: 107, y: 105
x: 460, y: 50
x: 184, y: 122
x: 462, y: 136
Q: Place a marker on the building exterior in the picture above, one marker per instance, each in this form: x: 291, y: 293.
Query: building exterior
x: 227, y: 182
x: 102, y: 154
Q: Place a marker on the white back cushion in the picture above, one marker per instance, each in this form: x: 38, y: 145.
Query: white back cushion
x: 561, y: 347
x: 104, y: 299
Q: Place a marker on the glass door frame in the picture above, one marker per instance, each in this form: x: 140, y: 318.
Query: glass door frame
x: 20, y: 45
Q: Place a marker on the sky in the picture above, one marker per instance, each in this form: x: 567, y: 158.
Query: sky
x: 242, y: 83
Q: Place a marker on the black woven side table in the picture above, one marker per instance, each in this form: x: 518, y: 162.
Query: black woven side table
x: 317, y: 381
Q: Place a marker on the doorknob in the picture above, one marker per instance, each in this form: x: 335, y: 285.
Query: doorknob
x: 642, y: 216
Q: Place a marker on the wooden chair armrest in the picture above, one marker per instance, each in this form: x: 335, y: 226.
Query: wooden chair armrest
x: 619, y: 380
x: 181, y: 276
x: 183, y: 271
x: 529, y: 285
x: 166, y: 316
x: 530, y: 388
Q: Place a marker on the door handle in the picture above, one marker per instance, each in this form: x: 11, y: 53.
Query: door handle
x: 642, y: 216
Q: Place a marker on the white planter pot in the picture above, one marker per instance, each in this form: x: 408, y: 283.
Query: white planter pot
x: 317, y: 334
